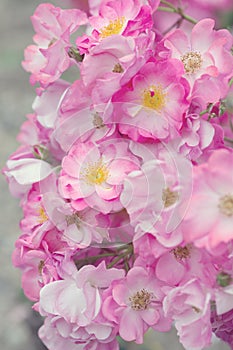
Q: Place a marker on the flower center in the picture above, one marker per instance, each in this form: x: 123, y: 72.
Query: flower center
x: 42, y: 215
x: 169, y: 197
x: 154, y: 97
x: 196, y: 309
x: 226, y: 205
x: 140, y: 300
x: 113, y: 28
x: 224, y: 279
x: 41, y: 266
x: 118, y: 68
x: 74, y: 219
x: 181, y: 253
x: 96, y: 174
x: 192, y: 61
x: 98, y: 121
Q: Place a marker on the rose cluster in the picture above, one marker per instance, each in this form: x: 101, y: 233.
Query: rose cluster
x: 125, y: 174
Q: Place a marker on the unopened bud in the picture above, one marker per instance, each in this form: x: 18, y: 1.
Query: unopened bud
x: 74, y: 53
x: 224, y: 279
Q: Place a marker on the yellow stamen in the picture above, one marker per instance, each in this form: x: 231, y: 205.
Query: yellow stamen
x: 113, y: 28
x: 154, y: 98
x: 42, y: 215
x: 95, y: 174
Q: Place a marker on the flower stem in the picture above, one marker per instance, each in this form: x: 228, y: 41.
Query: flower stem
x: 93, y: 258
x: 116, y: 260
x: 124, y: 253
x: 208, y: 110
x: 187, y: 18
x: 167, y: 3
x: 125, y: 256
x: 228, y: 139
x: 170, y: 8
x: 231, y: 124
x: 73, y: 52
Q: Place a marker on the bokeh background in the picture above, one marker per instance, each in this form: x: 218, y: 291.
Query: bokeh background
x: 18, y: 323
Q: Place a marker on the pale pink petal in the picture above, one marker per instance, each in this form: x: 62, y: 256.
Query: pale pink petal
x: 150, y: 316
x: 118, y: 169
x: 199, y: 41
x: 71, y: 303
x: 107, y: 192
x: 28, y: 171
x: 170, y: 270
x: 131, y: 327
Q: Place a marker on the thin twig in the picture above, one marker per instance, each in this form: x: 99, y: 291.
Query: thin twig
x: 170, y: 8
x: 228, y: 139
